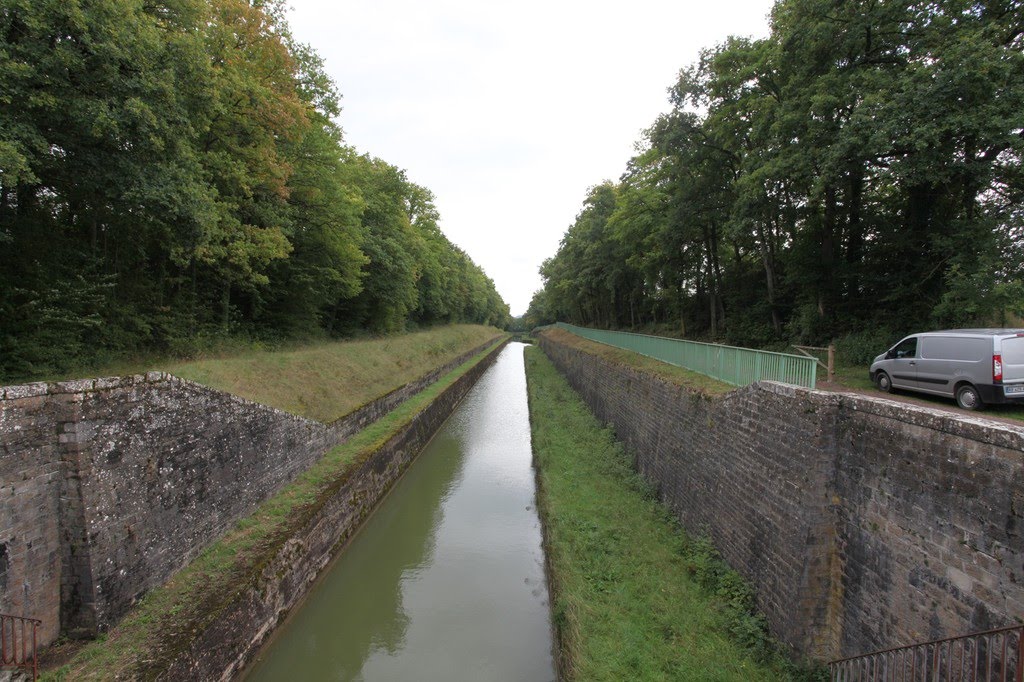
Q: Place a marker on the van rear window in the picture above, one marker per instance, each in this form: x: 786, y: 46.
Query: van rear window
x: 1013, y: 351
x: 955, y: 348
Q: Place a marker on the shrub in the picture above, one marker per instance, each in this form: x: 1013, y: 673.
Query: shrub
x: 860, y: 348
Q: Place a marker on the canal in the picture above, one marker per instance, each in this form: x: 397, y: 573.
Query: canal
x: 445, y: 581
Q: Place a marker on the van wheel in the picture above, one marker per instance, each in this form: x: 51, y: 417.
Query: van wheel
x: 968, y: 398
x: 883, y: 382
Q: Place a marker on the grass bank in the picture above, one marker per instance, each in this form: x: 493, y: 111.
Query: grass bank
x: 633, y: 598
x: 327, y: 381
x: 166, y: 620
x: 323, y: 380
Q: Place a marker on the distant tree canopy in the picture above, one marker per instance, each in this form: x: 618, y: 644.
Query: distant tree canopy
x: 171, y: 171
x: 859, y: 169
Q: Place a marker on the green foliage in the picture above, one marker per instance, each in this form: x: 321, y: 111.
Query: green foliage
x: 971, y: 296
x: 860, y: 348
x: 738, y: 601
x: 57, y: 675
x: 859, y: 168
x: 171, y: 173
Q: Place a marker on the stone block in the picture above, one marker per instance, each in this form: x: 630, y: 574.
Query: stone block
x: 25, y: 391
x: 107, y: 383
x: 76, y: 386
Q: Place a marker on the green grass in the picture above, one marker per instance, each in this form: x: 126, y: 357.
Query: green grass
x: 327, y: 381
x: 164, y: 622
x: 853, y: 376
x: 323, y: 381
x: 632, y: 597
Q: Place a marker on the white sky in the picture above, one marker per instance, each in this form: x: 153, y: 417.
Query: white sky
x: 508, y: 112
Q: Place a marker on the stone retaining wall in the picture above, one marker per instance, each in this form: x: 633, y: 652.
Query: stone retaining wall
x: 108, y: 486
x: 242, y: 626
x: 863, y: 523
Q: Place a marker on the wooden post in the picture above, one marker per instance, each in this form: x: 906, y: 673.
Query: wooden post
x: 831, y: 362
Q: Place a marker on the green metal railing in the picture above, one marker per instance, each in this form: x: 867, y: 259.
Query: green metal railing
x: 736, y: 366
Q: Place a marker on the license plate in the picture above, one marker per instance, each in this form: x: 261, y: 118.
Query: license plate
x: 1013, y: 390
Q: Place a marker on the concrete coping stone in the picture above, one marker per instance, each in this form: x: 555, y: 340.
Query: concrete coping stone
x: 74, y: 386
x: 25, y: 390
x: 41, y: 388
x: 974, y: 427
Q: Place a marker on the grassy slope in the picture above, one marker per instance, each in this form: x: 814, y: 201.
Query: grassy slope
x: 623, y: 596
x: 304, y: 380
x: 327, y: 381
x: 165, y: 619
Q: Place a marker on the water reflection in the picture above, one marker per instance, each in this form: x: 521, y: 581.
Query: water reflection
x: 446, y: 580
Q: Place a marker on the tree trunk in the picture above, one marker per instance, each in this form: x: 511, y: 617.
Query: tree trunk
x: 226, y: 308
x: 717, y: 270
x: 827, y: 254
x: 855, y: 232
x: 768, y: 260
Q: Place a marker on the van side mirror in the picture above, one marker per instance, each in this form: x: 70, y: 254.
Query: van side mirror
x: 891, y: 354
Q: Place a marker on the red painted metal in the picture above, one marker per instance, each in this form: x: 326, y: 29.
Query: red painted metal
x: 1003, y: 665
x: 990, y: 656
x: 1020, y: 657
x: 18, y: 643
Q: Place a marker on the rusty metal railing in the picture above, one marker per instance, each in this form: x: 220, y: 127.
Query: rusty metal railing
x: 992, y: 656
x: 18, y: 643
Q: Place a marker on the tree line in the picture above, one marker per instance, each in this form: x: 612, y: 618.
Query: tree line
x: 172, y: 172
x: 856, y: 174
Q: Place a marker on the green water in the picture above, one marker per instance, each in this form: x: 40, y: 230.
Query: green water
x: 446, y: 579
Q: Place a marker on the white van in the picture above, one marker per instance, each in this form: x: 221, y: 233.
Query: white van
x: 974, y: 366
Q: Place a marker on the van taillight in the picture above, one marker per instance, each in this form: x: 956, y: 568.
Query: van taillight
x: 997, y: 368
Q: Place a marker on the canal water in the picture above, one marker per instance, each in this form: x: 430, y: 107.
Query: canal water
x: 446, y: 579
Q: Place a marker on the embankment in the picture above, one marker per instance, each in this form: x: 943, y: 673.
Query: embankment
x: 863, y: 523
x: 108, y: 486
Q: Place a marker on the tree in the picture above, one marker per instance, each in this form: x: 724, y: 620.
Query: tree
x: 172, y: 171
x: 858, y: 168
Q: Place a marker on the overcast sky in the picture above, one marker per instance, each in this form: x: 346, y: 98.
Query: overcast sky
x: 508, y: 112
